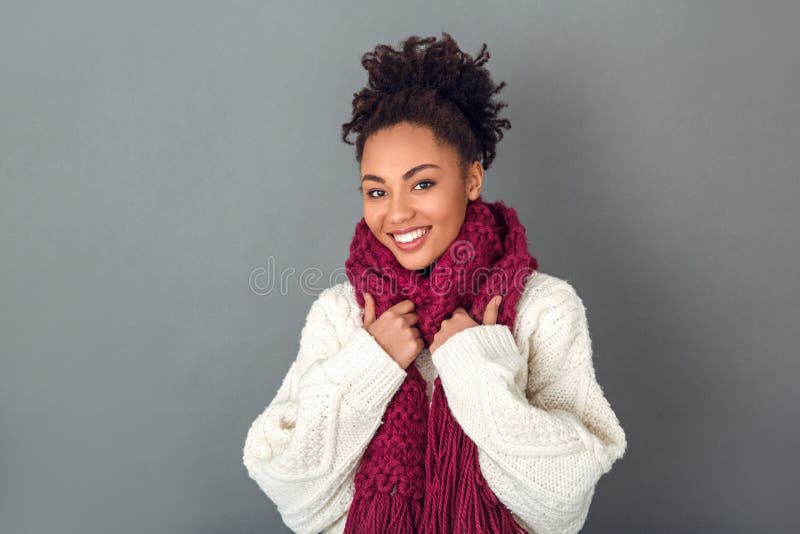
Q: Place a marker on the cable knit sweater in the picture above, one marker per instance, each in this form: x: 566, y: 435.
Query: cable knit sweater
x: 529, y: 400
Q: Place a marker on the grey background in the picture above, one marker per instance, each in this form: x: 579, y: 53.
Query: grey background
x: 154, y: 155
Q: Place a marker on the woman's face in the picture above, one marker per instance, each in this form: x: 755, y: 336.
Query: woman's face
x: 410, y: 185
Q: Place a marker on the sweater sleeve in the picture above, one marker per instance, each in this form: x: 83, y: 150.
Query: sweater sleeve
x: 544, y: 430
x: 303, y: 449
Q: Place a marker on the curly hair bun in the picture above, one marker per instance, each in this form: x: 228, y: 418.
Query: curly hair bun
x: 432, y: 83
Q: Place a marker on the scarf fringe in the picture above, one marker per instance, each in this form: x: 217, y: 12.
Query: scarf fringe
x: 384, y: 514
x: 457, y: 497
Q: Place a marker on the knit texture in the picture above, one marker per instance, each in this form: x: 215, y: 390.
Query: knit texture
x: 528, y: 397
x: 420, y: 474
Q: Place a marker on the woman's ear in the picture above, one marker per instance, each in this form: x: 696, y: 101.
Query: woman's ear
x: 474, y: 180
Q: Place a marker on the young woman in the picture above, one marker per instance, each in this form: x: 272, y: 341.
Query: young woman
x: 447, y: 386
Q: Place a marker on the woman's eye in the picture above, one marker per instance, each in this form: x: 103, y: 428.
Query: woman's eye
x: 378, y: 193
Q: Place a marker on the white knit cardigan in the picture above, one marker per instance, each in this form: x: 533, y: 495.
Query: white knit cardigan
x: 529, y: 400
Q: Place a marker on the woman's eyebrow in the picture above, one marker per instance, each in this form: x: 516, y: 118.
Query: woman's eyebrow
x: 408, y: 174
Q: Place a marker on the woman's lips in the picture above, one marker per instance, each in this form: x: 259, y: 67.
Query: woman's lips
x: 412, y: 245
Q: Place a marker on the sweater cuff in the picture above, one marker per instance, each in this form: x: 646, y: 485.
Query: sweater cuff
x: 369, y: 376
x: 466, y: 352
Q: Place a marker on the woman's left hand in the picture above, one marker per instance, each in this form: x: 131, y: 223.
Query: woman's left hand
x: 461, y: 320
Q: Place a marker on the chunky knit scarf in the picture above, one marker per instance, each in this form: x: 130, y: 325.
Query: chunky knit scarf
x: 420, y: 473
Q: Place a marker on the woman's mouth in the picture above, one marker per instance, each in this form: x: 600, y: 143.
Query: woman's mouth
x: 411, y: 240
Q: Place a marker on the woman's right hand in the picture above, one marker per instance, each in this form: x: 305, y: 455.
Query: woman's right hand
x: 394, y: 330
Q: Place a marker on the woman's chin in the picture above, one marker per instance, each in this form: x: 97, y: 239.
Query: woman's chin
x: 411, y: 264
x: 412, y: 260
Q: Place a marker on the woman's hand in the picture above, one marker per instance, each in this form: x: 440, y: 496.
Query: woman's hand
x: 394, y: 330
x: 461, y: 320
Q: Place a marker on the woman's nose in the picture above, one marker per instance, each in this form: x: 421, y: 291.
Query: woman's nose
x: 400, y: 209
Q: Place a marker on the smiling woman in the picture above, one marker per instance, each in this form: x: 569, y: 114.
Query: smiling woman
x: 447, y: 385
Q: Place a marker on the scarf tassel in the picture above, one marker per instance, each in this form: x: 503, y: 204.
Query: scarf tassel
x: 383, y: 513
x: 458, y: 499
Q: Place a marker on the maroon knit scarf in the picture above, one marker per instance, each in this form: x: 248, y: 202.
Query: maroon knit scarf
x: 420, y: 473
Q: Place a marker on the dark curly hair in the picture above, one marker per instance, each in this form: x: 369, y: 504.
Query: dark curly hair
x: 430, y: 83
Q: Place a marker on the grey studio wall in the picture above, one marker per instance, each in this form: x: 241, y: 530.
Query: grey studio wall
x: 155, y: 157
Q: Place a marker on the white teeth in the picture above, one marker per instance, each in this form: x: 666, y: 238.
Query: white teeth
x: 410, y: 236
